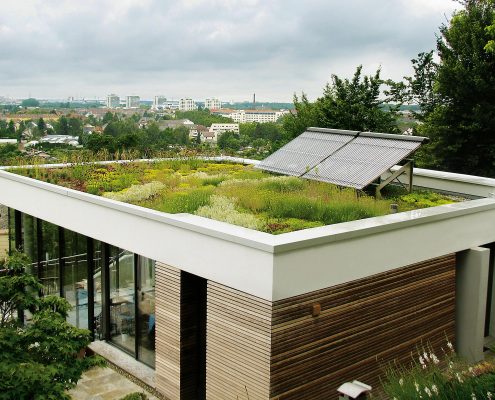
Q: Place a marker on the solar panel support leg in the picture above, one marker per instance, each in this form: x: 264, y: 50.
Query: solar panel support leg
x: 406, y: 168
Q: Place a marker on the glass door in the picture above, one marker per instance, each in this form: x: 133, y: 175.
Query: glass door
x: 122, y: 299
x: 146, y: 310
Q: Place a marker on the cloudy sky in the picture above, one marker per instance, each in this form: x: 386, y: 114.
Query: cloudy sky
x: 201, y: 48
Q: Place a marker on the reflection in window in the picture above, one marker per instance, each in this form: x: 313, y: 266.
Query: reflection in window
x: 49, y: 263
x: 122, y: 305
x: 75, y: 272
x: 146, y: 308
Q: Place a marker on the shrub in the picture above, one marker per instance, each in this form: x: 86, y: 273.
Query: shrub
x: 38, y: 361
x: 223, y: 209
x: 136, y: 193
x: 135, y: 396
x: 427, y: 378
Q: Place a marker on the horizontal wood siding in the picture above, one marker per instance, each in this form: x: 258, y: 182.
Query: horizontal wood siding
x: 362, y: 326
x: 237, y: 345
x: 167, y: 342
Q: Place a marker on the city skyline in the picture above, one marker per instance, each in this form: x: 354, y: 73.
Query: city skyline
x: 199, y: 49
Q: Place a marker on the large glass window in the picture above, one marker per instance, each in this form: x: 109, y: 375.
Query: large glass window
x: 30, y: 240
x: 49, y: 264
x: 122, y: 299
x: 75, y: 277
x: 97, y: 250
x: 11, y: 218
x: 146, y: 309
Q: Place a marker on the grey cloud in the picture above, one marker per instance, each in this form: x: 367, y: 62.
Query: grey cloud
x: 162, y: 46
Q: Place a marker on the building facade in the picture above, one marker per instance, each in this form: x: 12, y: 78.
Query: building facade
x: 113, y: 101
x: 247, y: 116
x: 220, y: 310
x: 218, y: 128
x: 159, y: 102
x: 187, y: 104
x: 132, y: 102
x: 213, y: 104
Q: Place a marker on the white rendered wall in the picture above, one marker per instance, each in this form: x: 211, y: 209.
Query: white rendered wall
x: 476, y: 186
x: 471, y: 291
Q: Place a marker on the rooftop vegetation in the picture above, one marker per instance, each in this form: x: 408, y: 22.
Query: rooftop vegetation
x: 233, y: 193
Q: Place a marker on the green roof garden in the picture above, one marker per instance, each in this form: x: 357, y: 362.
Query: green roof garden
x: 234, y: 193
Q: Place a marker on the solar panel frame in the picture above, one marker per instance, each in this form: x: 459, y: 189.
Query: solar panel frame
x: 306, y: 151
x: 345, y: 158
x: 362, y: 161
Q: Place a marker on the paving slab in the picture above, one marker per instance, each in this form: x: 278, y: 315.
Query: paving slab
x: 103, y: 383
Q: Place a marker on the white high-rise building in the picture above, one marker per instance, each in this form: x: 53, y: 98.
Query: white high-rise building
x: 213, y: 104
x: 159, y: 102
x: 132, y: 102
x: 187, y: 104
x: 113, y: 101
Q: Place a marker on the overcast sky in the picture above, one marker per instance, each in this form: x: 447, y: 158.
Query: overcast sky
x: 202, y: 48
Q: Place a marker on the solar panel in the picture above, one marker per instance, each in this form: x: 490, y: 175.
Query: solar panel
x: 306, y: 151
x: 362, y: 161
x: 345, y: 158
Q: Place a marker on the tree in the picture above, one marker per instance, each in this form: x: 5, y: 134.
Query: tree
x: 96, y: 143
x: 62, y: 127
x: 418, y: 89
x: 353, y: 104
x: 41, y: 125
x: 461, y: 124
x: 37, y: 361
x: 30, y: 102
x: 229, y: 141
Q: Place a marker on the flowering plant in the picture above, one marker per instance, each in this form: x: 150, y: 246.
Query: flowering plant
x: 442, y: 377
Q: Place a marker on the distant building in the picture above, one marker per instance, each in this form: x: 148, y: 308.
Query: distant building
x: 159, y: 102
x: 187, y: 104
x: 132, y: 102
x: 113, y: 101
x: 246, y: 116
x: 60, y: 139
x: 213, y: 104
x: 219, y: 128
x: 88, y: 129
x: 174, y: 123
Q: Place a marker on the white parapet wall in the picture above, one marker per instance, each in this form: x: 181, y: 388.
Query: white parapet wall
x: 271, y: 267
x: 475, y: 186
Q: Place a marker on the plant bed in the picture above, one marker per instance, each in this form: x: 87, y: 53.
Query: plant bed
x: 233, y: 193
x: 446, y: 377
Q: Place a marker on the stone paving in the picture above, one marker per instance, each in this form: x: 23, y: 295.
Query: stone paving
x: 104, y: 384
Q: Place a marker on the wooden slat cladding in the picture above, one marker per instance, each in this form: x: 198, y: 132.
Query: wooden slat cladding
x: 362, y: 326
x: 167, y: 342
x: 237, y: 345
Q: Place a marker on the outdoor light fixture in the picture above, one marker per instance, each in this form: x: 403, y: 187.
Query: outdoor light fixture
x: 353, y: 390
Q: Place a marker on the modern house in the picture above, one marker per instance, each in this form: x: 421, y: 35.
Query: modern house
x: 224, y: 312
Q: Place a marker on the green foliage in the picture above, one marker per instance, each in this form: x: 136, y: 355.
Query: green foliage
x: 460, y: 124
x: 39, y: 360
x: 420, y: 88
x: 233, y: 193
x: 353, y: 104
x: 440, y: 379
x: 424, y: 200
x: 18, y: 290
x: 201, y: 117
x: 30, y: 102
x: 135, y: 396
x: 8, y: 153
x: 229, y: 141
